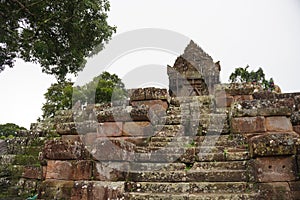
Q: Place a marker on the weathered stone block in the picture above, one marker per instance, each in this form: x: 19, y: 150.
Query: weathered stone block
x: 137, y: 94
x: 108, y: 149
x: 243, y: 97
x: 110, y: 171
x: 63, y: 150
x: 295, y: 189
x: 110, y: 129
x: 278, y: 124
x: 295, y: 118
x: 156, y: 94
x: 248, y: 125
x: 140, y: 113
x: 32, y: 172
x: 97, y: 190
x: 118, y: 114
x: 275, y: 169
x: 271, y: 144
x: 151, y: 104
x: 69, y: 170
x: 138, y: 129
x: 265, y: 107
x: 56, y: 189
x: 225, y: 101
x: 237, y: 88
x: 275, y: 190
x: 297, y: 129
x: 66, y: 128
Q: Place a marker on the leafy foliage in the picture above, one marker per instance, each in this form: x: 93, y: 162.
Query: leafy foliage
x: 102, y: 89
x: 257, y: 77
x: 57, y: 34
x: 9, y: 129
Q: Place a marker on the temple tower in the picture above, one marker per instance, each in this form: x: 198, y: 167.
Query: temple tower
x: 194, y: 73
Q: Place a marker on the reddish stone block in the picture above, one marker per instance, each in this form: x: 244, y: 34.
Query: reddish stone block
x: 275, y: 169
x: 106, y: 149
x: 60, y: 170
x: 297, y: 129
x: 110, y: 129
x: 242, y: 97
x: 31, y: 172
x: 248, y: 125
x: 69, y: 170
x: 154, y: 104
x: 225, y: 101
x: 64, y: 150
x: 138, y: 129
x: 278, y: 124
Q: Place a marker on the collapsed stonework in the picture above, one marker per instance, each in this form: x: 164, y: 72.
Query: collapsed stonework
x: 201, y: 140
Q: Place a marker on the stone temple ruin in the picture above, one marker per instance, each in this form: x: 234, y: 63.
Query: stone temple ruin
x: 201, y: 140
x: 194, y: 73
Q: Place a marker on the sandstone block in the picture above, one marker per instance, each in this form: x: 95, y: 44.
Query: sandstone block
x: 271, y: 144
x: 278, y: 124
x: 151, y: 104
x: 248, y: 125
x: 138, y: 129
x: 275, y: 190
x: 69, y: 170
x: 32, y: 172
x: 97, y: 190
x: 264, y: 107
x: 63, y: 150
x: 137, y: 94
x: 275, y: 169
x: 108, y: 149
x: 225, y: 101
x: 112, y: 114
x: 110, y: 129
x: 156, y: 93
x: 297, y: 129
x: 110, y: 171
x: 56, y: 189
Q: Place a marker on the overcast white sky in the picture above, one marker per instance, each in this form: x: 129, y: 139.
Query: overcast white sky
x: 261, y: 33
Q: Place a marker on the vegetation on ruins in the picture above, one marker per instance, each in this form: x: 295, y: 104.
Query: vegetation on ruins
x: 9, y: 130
x: 56, y: 34
x: 102, y: 89
x: 241, y: 75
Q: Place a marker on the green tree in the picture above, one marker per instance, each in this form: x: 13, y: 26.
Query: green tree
x: 101, y: 89
x: 10, y: 129
x: 57, y: 34
x: 241, y: 75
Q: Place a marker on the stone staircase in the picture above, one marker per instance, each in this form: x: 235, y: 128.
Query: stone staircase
x: 207, y: 164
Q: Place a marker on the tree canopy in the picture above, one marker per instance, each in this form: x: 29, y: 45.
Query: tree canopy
x: 9, y: 129
x: 102, y: 89
x: 57, y: 34
x: 258, y: 77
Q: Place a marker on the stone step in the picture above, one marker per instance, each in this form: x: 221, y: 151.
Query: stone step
x: 189, y: 176
x: 229, y: 165
x: 191, y: 188
x: 157, y: 166
x: 186, y: 196
x: 219, y: 140
x: 189, y: 156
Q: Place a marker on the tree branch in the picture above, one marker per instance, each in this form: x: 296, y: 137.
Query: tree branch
x: 23, y: 7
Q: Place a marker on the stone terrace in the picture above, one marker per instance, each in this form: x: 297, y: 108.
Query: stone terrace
x: 234, y: 144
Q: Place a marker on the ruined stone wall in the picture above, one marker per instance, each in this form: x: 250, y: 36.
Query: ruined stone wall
x: 20, y: 167
x: 271, y: 123
x: 161, y: 147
